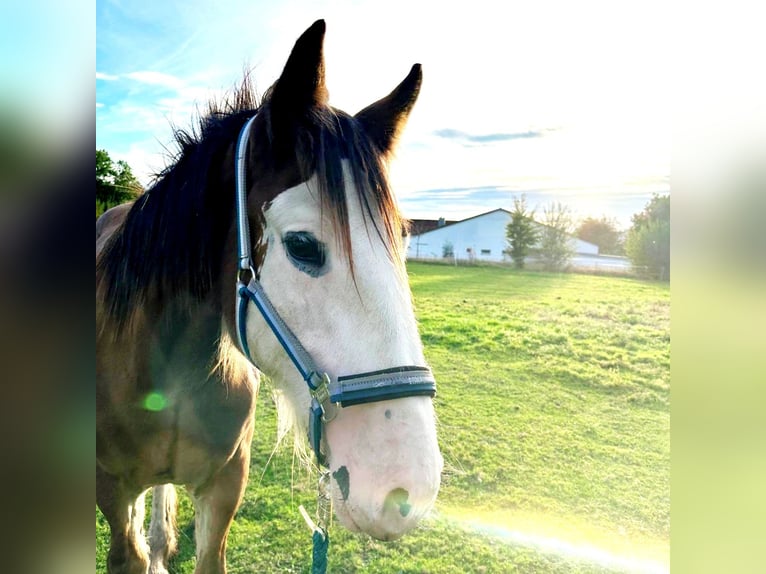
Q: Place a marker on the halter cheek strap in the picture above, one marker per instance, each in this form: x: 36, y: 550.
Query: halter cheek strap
x: 243, y: 226
x: 386, y: 384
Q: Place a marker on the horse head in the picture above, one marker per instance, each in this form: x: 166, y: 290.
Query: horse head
x: 327, y: 249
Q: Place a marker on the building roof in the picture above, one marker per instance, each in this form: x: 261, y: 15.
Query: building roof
x: 415, y: 231
x: 418, y: 226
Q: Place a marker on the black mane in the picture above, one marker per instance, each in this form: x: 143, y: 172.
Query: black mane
x: 170, y: 249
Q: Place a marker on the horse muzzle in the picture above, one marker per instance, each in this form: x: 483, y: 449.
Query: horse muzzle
x: 385, y: 466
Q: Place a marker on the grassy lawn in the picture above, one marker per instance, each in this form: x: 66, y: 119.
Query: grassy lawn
x: 554, y: 422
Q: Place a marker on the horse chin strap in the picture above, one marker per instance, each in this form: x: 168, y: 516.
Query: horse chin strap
x: 327, y: 393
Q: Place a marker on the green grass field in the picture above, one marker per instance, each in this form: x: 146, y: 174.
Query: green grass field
x: 554, y: 421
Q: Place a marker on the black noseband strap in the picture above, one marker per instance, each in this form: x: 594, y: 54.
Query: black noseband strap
x: 394, y: 383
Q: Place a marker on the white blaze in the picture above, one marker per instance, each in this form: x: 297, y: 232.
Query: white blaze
x: 384, y: 456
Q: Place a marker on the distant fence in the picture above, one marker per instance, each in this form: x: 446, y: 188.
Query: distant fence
x: 617, y: 266
x: 606, y: 265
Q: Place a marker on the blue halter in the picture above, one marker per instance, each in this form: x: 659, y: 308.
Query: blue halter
x: 383, y: 385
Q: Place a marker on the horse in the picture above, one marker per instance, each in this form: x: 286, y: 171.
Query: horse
x: 272, y: 244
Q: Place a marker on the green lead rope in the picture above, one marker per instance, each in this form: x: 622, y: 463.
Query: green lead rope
x: 321, y: 542
x: 319, y: 553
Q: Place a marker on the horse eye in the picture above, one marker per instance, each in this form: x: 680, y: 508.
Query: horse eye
x: 305, y: 251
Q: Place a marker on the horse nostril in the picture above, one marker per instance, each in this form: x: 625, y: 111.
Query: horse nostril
x: 398, y: 498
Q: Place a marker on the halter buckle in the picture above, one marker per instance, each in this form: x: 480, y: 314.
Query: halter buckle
x: 321, y: 394
x: 319, y: 386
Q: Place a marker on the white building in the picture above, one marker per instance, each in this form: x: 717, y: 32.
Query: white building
x: 481, y: 238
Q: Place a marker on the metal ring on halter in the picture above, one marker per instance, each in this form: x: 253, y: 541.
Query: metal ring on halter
x: 333, y: 408
x: 242, y: 271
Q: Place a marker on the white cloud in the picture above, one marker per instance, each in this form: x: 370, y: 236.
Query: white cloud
x: 145, y: 158
x: 106, y: 77
x: 99, y: 105
x: 156, y: 79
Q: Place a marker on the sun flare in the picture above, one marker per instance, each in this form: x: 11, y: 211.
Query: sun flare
x: 570, y: 538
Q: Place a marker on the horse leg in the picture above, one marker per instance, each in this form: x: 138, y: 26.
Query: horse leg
x: 123, y: 507
x: 162, y: 528
x: 214, y: 506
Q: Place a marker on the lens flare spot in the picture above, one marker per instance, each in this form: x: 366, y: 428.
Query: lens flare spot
x: 155, y: 402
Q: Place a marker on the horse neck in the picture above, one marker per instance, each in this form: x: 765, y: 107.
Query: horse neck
x: 188, y: 330
x: 194, y: 346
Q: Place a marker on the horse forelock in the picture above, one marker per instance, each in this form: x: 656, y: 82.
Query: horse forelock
x: 330, y: 137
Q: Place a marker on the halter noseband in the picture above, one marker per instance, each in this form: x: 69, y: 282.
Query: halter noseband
x: 387, y: 384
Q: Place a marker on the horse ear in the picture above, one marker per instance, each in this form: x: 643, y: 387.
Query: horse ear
x: 301, y: 84
x: 385, y: 119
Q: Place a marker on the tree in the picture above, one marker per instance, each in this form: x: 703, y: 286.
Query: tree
x: 602, y: 232
x: 648, y: 240
x: 556, y: 236
x: 521, y: 232
x: 448, y: 250
x: 115, y: 182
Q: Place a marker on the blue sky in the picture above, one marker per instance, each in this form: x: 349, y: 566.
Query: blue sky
x: 559, y: 101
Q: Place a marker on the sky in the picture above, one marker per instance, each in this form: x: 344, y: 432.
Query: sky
x: 558, y: 100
